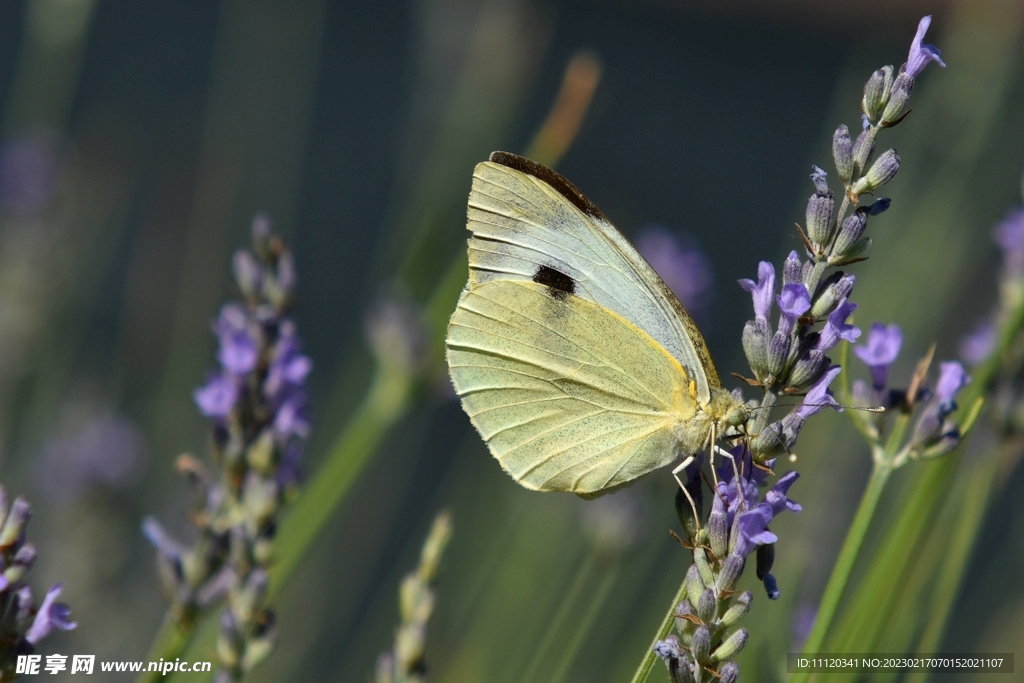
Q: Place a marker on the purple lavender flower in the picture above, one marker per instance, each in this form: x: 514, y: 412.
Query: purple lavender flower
x: 51, y: 615
x: 881, y: 350
x: 683, y: 267
x: 1009, y: 235
x: 921, y: 54
x: 217, y: 397
x: 763, y: 290
x: 952, y: 379
x: 975, y: 347
x: 237, y: 353
x: 836, y: 327
x: 819, y: 396
x: 793, y: 302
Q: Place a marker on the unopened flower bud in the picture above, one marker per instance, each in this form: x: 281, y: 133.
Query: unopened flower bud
x: 17, y: 518
x: 707, y: 606
x: 729, y: 673
x: 755, y: 346
x: 683, y: 610
x: 851, y: 231
x: 834, y: 289
x: 694, y: 584
x: 901, y: 90
x: 700, y: 646
x: 876, y: 93
x: 842, y: 153
x: 807, y: 369
x: 881, y: 172
x: 707, y: 574
x: 730, y: 572
x: 718, y: 530
x: 863, y: 147
x: 949, y: 440
x: 792, y: 269
x: 229, y: 644
x: 731, y: 647
x: 819, y: 218
x: 248, y: 274
x: 778, y: 354
x: 737, y: 610
x: 769, y: 442
x: 771, y: 587
x: 880, y: 205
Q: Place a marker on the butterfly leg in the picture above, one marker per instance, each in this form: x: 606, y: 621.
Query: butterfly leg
x: 675, y: 473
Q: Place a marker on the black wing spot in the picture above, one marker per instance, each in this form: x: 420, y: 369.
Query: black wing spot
x: 559, y: 284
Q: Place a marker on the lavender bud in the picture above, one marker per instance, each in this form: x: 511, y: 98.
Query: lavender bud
x: 876, y: 92
x: 863, y: 147
x: 718, y: 530
x: 901, y: 89
x: 15, y: 523
x: 778, y: 354
x: 700, y: 646
x: 248, y: 273
x: 851, y: 231
x: 707, y: 606
x: 881, y: 172
x: 737, y: 610
x: 683, y: 610
x: 842, y: 152
x: 707, y: 574
x: 949, y: 440
x: 929, y: 425
x: 729, y: 673
x: 819, y: 217
x: 731, y: 647
x: 834, y: 289
x: 792, y: 269
x: 229, y: 644
x: 769, y: 442
x: 730, y: 573
x: 808, y: 369
x: 755, y: 341
x: 694, y: 584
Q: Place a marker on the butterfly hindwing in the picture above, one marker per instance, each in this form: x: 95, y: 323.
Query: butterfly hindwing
x: 568, y: 395
x: 527, y: 221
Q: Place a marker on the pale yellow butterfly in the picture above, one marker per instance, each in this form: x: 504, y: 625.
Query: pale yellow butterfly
x: 576, y: 363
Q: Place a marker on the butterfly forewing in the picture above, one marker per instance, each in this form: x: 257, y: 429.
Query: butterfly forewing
x: 568, y: 395
x: 525, y: 218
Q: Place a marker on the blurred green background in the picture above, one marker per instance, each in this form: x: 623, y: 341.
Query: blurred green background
x: 145, y: 136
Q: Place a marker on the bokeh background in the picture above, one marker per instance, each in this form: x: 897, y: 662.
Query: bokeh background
x: 139, y: 140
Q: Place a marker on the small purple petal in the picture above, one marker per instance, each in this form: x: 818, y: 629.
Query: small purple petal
x: 977, y: 346
x: 217, y: 397
x: 763, y: 290
x: 818, y: 396
x: 881, y: 350
x: 50, y: 615
x: 793, y: 302
x: 290, y: 418
x: 836, y: 327
x: 952, y: 378
x: 776, y: 495
x: 753, y: 527
x: 921, y: 54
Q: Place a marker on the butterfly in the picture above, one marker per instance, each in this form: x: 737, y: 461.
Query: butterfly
x: 575, y: 362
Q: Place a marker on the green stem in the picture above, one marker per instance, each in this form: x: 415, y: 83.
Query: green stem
x: 169, y: 643
x: 597, y: 601
x: 647, y: 663
x: 562, y: 613
x: 844, y: 564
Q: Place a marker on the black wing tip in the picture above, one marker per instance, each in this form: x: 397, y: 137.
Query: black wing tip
x: 556, y: 181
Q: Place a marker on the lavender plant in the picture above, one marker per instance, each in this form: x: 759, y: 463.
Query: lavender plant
x: 404, y: 663
x: 258, y: 407
x: 22, y: 624
x: 790, y: 358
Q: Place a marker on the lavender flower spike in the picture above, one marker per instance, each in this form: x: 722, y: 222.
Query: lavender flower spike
x: 920, y: 53
x: 881, y: 350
